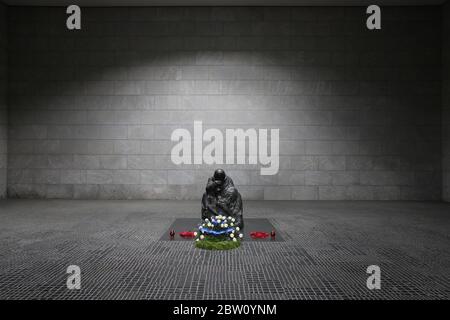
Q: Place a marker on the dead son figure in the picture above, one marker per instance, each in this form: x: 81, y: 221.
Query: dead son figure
x: 222, y: 198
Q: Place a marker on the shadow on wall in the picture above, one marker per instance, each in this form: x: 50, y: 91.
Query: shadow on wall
x: 446, y: 102
x: 3, y: 98
x: 92, y: 111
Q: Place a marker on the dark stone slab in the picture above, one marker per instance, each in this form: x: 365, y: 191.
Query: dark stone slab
x: 190, y: 224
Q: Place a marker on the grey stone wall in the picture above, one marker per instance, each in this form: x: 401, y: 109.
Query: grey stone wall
x: 3, y: 100
x: 446, y: 102
x: 92, y: 111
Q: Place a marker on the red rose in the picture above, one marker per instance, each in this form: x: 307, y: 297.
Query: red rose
x: 259, y: 234
x: 187, y: 234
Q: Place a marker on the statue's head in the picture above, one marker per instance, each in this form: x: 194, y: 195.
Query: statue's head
x: 219, y: 176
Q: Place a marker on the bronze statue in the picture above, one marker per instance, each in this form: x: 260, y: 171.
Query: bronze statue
x: 222, y: 198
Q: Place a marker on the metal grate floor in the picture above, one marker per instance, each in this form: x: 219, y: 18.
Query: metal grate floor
x: 323, y: 256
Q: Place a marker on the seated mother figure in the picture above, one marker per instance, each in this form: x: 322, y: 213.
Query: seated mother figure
x: 222, y: 198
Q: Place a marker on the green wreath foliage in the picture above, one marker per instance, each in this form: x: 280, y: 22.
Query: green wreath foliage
x: 217, y: 243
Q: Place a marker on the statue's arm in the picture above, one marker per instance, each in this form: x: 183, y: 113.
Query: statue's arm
x: 207, y: 208
x: 210, y: 185
x: 226, y: 210
x: 212, y: 210
x: 229, y: 203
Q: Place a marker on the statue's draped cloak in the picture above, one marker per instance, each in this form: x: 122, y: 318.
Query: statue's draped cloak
x: 225, y: 200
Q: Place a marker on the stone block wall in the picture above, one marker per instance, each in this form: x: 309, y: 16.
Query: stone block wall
x: 92, y: 111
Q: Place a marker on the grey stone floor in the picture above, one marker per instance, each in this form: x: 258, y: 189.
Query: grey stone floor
x: 327, y: 248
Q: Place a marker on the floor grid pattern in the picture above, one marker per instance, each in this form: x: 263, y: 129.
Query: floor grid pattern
x: 121, y: 257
